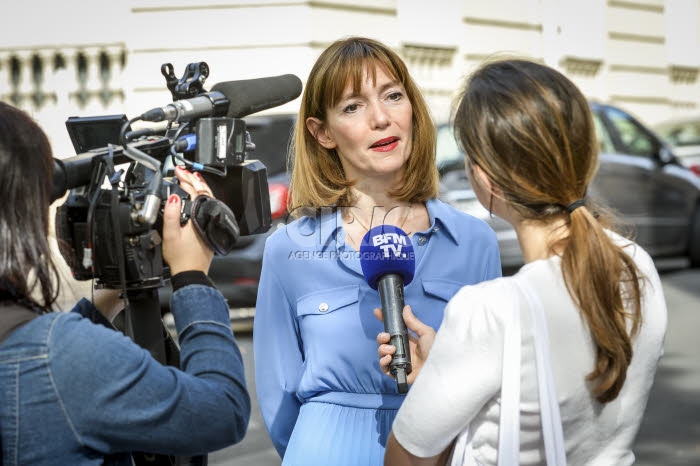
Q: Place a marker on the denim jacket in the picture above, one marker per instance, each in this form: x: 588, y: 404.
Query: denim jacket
x: 73, y: 392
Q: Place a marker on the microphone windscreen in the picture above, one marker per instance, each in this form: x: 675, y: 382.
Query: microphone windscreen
x: 248, y: 96
x: 387, y: 249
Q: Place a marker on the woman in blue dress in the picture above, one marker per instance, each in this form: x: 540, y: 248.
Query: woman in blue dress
x: 363, y: 155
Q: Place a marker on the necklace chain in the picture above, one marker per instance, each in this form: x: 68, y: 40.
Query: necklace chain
x: 405, y: 218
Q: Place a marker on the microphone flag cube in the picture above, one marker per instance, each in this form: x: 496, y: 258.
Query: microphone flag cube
x: 387, y: 249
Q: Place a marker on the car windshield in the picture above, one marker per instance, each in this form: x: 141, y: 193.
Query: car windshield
x: 681, y: 134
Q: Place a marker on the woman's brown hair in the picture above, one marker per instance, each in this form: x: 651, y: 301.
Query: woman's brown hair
x: 317, y: 178
x: 530, y: 129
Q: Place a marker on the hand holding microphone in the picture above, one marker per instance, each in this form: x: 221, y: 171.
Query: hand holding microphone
x: 388, y: 264
x: 419, y: 344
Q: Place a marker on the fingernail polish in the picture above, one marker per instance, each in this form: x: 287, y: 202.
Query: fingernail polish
x: 173, y: 199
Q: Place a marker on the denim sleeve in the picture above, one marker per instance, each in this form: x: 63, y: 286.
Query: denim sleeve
x: 278, y: 356
x: 88, y: 310
x: 117, y: 398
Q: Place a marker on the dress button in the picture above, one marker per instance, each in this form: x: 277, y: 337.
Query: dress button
x: 436, y: 229
x: 323, y: 307
x: 422, y: 240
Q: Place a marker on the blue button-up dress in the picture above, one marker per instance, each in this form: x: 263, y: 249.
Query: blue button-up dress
x: 323, y: 398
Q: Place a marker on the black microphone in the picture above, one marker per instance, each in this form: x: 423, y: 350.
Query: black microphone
x: 254, y: 95
x: 233, y: 99
x: 388, y: 264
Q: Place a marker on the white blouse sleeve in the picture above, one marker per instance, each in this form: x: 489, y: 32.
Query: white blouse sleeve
x: 462, y: 372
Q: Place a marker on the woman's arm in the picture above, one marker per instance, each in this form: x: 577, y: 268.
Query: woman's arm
x: 460, y: 375
x: 396, y: 455
x: 278, y: 354
x: 117, y: 398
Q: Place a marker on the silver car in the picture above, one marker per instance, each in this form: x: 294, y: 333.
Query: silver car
x: 639, y: 178
x: 683, y: 135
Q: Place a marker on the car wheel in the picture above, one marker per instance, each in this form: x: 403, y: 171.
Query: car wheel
x: 694, y: 249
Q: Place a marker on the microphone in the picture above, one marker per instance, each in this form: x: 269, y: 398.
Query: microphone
x: 248, y: 96
x: 388, y: 264
x: 233, y: 99
x: 204, y: 105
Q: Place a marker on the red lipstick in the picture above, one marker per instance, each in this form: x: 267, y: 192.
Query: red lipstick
x: 385, y: 145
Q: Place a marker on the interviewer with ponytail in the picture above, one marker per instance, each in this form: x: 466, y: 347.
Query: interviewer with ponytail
x: 531, y: 151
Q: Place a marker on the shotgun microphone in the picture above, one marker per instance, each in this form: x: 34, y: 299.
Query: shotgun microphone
x: 233, y: 99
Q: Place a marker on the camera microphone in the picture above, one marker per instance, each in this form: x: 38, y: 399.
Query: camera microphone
x: 233, y: 99
x: 248, y: 96
x: 204, y: 105
x: 388, y: 264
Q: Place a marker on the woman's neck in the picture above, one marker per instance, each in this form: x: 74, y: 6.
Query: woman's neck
x: 376, y: 207
x: 536, y: 238
x: 372, y: 208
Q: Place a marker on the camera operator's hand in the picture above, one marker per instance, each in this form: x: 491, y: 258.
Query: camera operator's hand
x: 183, y: 249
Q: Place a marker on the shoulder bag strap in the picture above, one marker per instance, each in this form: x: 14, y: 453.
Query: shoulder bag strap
x: 509, y: 426
x: 550, y: 416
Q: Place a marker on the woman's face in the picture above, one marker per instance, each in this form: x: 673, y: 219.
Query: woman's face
x: 372, y: 130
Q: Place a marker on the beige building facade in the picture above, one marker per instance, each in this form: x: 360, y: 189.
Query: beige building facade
x: 98, y: 57
x: 81, y: 57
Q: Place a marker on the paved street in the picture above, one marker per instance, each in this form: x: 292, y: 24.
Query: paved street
x: 670, y: 434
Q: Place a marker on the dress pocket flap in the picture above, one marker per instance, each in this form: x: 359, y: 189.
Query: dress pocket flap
x: 328, y: 300
x: 443, y: 289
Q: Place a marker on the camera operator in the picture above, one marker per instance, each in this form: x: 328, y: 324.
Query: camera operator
x: 73, y: 392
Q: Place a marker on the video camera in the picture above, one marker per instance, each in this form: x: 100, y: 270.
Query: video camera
x: 109, y: 228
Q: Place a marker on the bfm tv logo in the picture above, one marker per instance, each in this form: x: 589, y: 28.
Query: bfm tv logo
x: 390, y: 242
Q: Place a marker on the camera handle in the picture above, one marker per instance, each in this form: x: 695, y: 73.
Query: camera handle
x: 143, y: 323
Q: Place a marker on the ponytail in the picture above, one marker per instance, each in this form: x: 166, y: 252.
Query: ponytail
x: 604, y: 282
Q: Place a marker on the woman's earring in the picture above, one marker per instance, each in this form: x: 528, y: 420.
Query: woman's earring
x: 491, y: 205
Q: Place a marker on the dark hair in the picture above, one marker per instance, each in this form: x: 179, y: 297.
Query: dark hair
x: 530, y: 129
x: 27, y: 270
x: 317, y: 178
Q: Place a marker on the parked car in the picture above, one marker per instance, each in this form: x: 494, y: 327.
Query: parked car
x: 237, y: 274
x: 683, y: 135
x: 639, y: 177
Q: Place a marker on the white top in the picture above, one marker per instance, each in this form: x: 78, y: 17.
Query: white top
x: 459, y: 385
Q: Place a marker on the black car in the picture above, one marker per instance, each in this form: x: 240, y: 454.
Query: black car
x: 237, y: 274
x: 639, y: 177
